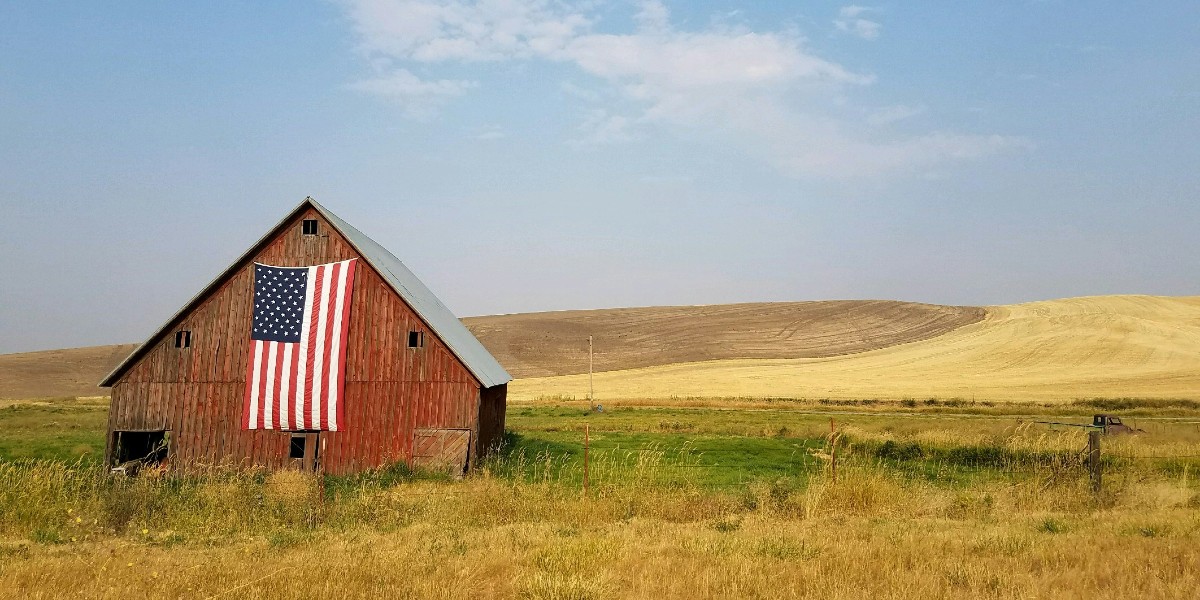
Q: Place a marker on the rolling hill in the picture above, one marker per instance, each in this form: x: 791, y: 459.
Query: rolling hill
x: 555, y: 343
x: 56, y: 373
x: 1109, y: 346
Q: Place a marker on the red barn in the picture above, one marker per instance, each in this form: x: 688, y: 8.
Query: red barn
x: 418, y: 386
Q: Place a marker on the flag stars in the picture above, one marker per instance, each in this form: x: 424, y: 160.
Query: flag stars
x: 279, y: 303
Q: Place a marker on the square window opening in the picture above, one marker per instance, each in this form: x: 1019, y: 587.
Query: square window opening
x: 416, y: 339
x: 183, y: 339
x: 309, y: 227
x: 297, y: 447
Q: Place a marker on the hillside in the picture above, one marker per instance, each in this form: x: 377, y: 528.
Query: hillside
x: 555, y: 343
x: 1111, y: 346
x: 54, y: 373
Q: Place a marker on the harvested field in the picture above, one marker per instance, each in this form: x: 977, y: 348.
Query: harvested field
x: 555, y: 343
x: 56, y: 373
x: 1109, y: 346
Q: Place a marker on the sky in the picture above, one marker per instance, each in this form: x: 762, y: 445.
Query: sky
x: 529, y: 155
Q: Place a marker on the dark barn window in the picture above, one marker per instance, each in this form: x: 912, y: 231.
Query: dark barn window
x: 416, y: 339
x: 310, y: 227
x: 183, y: 339
x: 298, y: 443
x: 139, y: 448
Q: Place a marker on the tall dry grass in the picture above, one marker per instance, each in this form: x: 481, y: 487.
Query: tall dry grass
x: 879, y: 530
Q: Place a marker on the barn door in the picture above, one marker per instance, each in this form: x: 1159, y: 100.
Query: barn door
x: 445, y: 450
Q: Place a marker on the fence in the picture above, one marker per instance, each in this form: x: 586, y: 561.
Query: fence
x: 801, y: 458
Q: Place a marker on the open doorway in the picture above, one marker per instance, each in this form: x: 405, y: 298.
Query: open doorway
x: 304, y: 450
x: 134, y: 450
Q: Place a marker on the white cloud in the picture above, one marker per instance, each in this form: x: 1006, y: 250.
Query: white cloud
x: 764, y: 91
x: 704, y: 60
x: 486, y: 30
x: 581, y: 92
x: 891, y: 114
x: 850, y: 21
x: 418, y: 97
x: 492, y: 132
x: 600, y: 127
x: 839, y: 156
x: 652, y: 16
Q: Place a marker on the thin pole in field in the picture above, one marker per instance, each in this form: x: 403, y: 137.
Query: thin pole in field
x: 833, y: 449
x: 591, y: 393
x: 585, y: 458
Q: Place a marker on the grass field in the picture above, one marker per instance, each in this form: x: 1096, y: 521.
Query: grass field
x: 64, y: 429
x: 708, y: 498
x: 1111, y: 346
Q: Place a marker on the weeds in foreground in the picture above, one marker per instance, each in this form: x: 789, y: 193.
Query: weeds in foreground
x: 52, y: 502
x: 516, y: 528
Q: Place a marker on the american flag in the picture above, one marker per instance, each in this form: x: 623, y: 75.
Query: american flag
x: 296, y: 366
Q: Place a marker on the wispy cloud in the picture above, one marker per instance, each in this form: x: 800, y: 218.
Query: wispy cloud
x: 601, y: 127
x: 764, y: 91
x: 491, y: 132
x: 418, y: 97
x: 487, y: 30
x: 892, y: 114
x: 851, y: 20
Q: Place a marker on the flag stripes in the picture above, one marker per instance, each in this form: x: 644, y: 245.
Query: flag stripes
x: 295, y: 376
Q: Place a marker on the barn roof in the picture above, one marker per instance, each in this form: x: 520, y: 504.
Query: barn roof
x: 456, y: 336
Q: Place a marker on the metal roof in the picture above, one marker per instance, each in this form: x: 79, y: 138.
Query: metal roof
x: 448, y: 328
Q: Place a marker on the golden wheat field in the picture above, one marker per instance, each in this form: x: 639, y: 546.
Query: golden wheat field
x: 869, y: 534
x: 1107, y: 346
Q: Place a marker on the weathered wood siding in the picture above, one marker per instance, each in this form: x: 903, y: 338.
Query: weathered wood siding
x: 391, y: 389
x: 492, y: 404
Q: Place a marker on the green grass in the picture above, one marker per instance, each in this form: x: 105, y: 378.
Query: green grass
x: 813, y: 422
x: 66, y: 430
x: 704, y: 460
x: 708, y: 447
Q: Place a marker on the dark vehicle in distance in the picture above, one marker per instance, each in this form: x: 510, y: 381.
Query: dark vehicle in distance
x: 1112, y: 425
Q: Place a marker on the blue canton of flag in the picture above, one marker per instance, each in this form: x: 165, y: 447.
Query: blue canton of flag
x: 279, y: 303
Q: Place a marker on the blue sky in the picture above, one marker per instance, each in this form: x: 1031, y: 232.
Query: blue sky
x: 524, y: 155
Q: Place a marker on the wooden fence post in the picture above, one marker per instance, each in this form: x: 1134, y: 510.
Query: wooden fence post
x: 585, y: 458
x: 1093, y: 459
